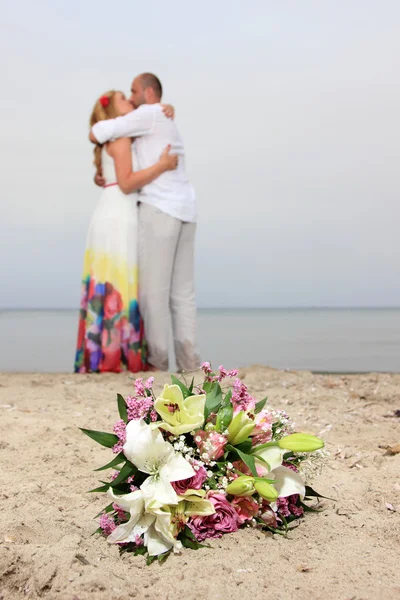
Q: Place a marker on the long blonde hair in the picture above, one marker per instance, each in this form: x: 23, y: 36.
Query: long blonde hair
x: 102, y: 113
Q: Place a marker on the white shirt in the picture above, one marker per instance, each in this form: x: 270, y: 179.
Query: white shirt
x: 172, y: 191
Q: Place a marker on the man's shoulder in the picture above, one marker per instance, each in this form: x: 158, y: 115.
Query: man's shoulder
x: 149, y: 108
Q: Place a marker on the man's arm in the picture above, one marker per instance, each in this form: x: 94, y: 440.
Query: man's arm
x: 134, y: 124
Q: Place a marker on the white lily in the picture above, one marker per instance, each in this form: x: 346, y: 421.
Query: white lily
x: 154, y: 523
x: 286, y: 481
x: 150, y: 453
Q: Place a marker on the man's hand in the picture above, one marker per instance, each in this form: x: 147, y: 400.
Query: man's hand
x: 99, y: 179
x: 169, y: 110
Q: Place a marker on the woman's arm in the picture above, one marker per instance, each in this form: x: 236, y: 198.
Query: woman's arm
x: 128, y: 181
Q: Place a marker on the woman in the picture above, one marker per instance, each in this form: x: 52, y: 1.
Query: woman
x: 110, y: 335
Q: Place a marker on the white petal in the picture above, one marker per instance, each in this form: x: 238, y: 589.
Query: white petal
x: 132, y: 502
x: 144, y: 446
x: 156, y: 544
x: 288, y: 482
x: 157, y: 492
x: 143, y: 524
x: 273, y: 455
x: 123, y: 533
x: 177, y: 468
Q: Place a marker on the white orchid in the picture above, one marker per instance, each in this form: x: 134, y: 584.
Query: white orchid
x: 153, y: 522
x: 146, y: 448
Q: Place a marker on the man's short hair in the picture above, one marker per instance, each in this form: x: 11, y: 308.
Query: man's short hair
x: 149, y: 80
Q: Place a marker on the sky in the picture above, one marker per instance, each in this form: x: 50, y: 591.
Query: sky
x: 290, y: 116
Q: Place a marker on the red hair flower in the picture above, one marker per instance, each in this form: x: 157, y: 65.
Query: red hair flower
x: 105, y: 101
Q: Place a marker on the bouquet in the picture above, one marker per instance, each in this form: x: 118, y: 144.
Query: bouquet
x: 197, y: 462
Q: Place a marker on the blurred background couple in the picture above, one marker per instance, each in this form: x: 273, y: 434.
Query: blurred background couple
x: 139, y: 259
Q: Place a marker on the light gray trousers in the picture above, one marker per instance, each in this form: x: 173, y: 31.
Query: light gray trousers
x: 166, y: 286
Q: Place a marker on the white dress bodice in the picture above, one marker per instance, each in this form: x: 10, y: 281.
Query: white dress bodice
x: 107, y: 163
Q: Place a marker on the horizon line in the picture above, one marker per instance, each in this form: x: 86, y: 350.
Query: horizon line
x: 285, y: 307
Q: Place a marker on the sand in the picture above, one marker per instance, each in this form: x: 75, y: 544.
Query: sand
x: 350, y: 550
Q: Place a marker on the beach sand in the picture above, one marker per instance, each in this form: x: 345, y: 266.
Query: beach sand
x: 349, y: 551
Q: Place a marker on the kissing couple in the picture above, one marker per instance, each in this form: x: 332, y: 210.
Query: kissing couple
x: 139, y: 259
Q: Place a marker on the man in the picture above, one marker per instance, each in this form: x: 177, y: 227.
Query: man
x: 166, y: 230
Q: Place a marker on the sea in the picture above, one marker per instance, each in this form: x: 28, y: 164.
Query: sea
x: 321, y: 340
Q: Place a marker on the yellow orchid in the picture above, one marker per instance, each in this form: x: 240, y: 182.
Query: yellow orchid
x: 179, y: 415
x: 191, y: 504
x: 195, y: 504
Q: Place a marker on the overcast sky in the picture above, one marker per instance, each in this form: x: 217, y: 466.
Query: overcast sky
x: 290, y: 115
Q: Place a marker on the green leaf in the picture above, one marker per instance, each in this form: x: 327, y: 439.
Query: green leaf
x: 187, y: 532
x: 186, y: 543
x: 260, y: 405
x: 105, y: 439
x: 163, y: 557
x: 274, y: 530
x: 191, y: 386
x: 122, y: 408
x: 307, y: 508
x: 213, y: 400
x: 115, y: 461
x: 102, y: 488
x: 150, y: 559
x: 310, y: 493
x: 105, y: 510
x: 127, y: 470
x: 245, y: 446
x: 225, y: 413
x: 207, y: 386
x: 262, y: 446
x: 98, y: 530
x: 248, y: 460
x: 188, y: 539
x: 284, y: 521
x: 185, y: 391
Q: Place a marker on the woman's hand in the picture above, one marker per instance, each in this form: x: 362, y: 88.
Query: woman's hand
x: 168, y: 110
x: 99, y: 179
x: 167, y: 160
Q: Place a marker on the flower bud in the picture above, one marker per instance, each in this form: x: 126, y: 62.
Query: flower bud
x: 266, y: 490
x: 240, y: 428
x: 301, y: 442
x: 241, y: 486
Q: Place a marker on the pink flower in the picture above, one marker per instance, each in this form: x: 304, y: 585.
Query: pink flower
x: 244, y: 469
x: 241, y: 399
x: 210, y: 443
x: 120, y: 430
x: 206, y: 368
x: 224, y: 520
x: 107, y: 524
x: 120, y: 512
x: 246, y: 508
x: 138, y: 408
x: 118, y: 447
x: 267, y: 515
x: 139, y: 387
x: 149, y: 383
x: 288, y: 506
x: 192, y: 483
x: 262, y: 432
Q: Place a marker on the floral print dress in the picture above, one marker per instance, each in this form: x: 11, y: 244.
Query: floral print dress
x: 110, y: 333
